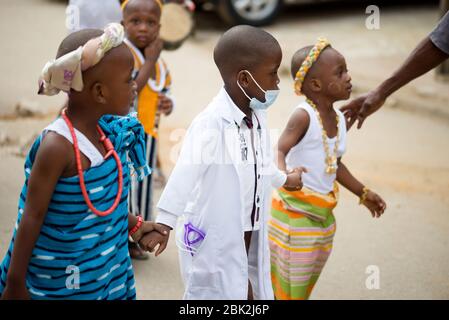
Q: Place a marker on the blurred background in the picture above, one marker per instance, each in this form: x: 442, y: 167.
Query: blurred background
x: 401, y: 152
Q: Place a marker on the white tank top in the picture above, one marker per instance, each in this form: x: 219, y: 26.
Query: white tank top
x: 309, y: 153
x: 86, y: 147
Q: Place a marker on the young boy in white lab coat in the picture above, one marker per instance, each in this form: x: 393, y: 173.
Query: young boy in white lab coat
x: 219, y: 191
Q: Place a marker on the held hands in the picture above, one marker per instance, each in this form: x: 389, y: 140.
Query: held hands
x: 148, y: 227
x: 360, y: 108
x: 294, y: 179
x: 150, y: 240
x: 375, y: 204
x: 149, y: 230
x: 151, y: 234
x: 165, y: 105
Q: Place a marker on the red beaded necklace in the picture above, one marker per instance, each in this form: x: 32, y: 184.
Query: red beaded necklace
x: 109, y: 151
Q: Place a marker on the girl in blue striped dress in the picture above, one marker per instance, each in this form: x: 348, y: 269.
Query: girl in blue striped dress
x: 70, y: 238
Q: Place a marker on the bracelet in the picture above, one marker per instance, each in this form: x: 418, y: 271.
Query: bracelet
x: 137, y: 226
x: 298, y: 187
x: 365, y: 191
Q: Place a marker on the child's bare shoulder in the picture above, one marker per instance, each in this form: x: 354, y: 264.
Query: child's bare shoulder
x: 300, y: 114
x: 55, y: 150
x: 299, y: 120
x: 54, y: 142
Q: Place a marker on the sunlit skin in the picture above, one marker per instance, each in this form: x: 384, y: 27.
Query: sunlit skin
x: 266, y: 75
x: 141, y: 20
x: 326, y: 82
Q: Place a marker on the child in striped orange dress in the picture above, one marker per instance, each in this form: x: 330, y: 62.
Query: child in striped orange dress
x: 302, y: 225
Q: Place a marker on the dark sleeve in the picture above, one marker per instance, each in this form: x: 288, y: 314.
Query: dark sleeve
x: 440, y: 35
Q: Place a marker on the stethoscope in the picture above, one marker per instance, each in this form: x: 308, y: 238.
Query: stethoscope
x: 242, y: 140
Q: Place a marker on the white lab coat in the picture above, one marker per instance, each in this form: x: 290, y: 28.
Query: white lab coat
x: 204, y: 188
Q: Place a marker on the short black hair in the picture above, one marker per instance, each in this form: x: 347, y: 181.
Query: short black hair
x: 133, y: 4
x: 243, y: 47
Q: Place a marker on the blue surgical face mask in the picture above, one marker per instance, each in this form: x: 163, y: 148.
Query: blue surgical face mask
x: 254, y: 103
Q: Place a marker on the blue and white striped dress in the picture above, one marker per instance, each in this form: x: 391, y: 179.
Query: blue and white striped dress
x: 78, y: 254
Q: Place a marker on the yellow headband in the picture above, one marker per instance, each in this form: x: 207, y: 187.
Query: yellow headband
x: 308, y: 62
x: 159, y: 3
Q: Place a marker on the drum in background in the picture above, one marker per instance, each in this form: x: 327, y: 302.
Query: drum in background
x: 176, y: 25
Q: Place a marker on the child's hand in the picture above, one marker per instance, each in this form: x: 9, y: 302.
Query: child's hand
x: 150, y: 240
x: 294, y: 179
x: 153, y: 50
x: 375, y: 204
x: 14, y: 292
x: 165, y: 104
x: 149, y: 226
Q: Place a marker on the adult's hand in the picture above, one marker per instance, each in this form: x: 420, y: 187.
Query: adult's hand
x: 360, y: 108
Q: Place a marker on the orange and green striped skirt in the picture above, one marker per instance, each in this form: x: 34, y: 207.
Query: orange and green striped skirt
x: 301, y: 232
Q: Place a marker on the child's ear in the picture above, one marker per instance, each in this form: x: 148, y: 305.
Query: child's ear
x: 99, y: 92
x: 315, y: 85
x: 242, y: 78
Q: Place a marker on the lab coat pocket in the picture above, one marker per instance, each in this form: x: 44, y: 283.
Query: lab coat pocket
x: 203, y: 285
x: 203, y: 279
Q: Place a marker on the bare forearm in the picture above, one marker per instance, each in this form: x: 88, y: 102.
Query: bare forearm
x: 132, y: 221
x: 145, y: 72
x: 24, y: 243
x: 281, y: 161
x: 347, y: 180
x: 423, y: 58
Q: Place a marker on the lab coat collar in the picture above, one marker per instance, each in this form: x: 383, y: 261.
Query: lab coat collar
x: 228, y: 109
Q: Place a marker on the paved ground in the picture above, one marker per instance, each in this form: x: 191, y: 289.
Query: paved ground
x: 401, y: 153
